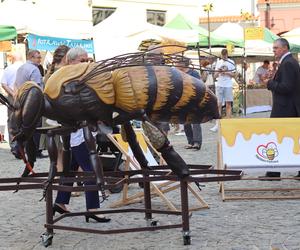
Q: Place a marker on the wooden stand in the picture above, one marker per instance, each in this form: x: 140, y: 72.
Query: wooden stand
x: 157, y: 189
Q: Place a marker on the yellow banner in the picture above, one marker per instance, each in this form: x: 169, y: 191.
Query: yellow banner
x: 256, y: 33
x: 230, y: 48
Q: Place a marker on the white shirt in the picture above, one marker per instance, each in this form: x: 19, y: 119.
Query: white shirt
x: 78, y: 137
x: 284, y: 56
x: 259, y: 72
x: 9, y: 74
x: 225, y: 80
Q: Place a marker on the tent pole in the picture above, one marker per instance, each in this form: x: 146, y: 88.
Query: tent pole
x: 244, y: 64
x: 198, y: 48
x: 244, y: 77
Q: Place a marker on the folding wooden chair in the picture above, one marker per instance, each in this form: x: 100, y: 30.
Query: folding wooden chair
x: 159, y: 188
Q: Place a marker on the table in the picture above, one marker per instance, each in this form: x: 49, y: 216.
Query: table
x: 258, y: 100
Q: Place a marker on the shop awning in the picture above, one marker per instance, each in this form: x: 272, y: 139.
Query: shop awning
x: 7, y: 33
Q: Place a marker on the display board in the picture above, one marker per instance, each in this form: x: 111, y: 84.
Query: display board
x: 256, y: 144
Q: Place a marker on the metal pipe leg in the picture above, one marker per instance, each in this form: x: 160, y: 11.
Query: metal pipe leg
x: 49, y: 210
x: 95, y: 160
x: 185, y: 212
x: 135, y: 146
x: 147, y: 199
x: 48, y: 235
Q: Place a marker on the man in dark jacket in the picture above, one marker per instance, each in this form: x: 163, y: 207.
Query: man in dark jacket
x: 285, y: 85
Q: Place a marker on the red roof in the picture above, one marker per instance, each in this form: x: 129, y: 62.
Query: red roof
x: 278, y: 1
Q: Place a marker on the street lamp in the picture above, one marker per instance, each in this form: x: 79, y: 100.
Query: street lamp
x: 208, y: 8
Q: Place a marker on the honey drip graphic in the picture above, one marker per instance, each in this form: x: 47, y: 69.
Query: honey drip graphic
x: 283, y: 127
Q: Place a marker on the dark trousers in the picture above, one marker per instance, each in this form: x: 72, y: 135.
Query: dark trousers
x: 80, y: 157
x: 193, y: 133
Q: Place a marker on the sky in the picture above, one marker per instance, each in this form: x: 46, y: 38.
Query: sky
x: 229, y: 7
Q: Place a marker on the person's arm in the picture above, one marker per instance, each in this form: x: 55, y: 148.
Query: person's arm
x: 204, y: 75
x: 7, y: 89
x: 286, y: 83
x: 36, y: 76
x: 230, y: 73
x: 231, y: 69
x: 260, y: 77
x: 217, y: 70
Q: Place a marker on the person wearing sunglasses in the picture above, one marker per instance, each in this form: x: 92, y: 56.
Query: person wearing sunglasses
x: 77, y: 55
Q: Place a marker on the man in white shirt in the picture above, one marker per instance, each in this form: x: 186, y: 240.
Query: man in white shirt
x: 7, y: 83
x: 9, y: 74
x: 225, y: 71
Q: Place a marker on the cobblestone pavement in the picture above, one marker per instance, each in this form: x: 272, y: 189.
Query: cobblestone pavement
x: 236, y: 225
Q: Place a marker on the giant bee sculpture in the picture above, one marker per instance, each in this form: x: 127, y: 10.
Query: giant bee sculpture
x: 112, y: 92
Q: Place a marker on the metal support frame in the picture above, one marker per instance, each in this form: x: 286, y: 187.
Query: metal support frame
x: 198, y: 173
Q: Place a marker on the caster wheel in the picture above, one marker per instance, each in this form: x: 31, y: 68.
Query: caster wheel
x: 47, y: 239
x: 154, y: 223
x: 116, y: 188
x: 187, y: 240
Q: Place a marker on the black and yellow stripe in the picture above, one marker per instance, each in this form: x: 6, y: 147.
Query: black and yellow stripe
x: 169, y: 94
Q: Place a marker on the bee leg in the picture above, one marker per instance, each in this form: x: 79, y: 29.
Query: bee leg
x: 161, y: 143
x: 66, y: 154
x: 30, y: 149
x: 130, y: 137
x: 95, y: 160
x: 52, y: 151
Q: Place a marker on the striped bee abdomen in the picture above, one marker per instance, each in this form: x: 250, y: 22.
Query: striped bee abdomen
x: 166, y: 93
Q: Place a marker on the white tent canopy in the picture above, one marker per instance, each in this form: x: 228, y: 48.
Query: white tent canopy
x: 38, y: 19
x: 293, y: 36
x: 252, y: 47
x: 123, y: 31
x: 230, y: 30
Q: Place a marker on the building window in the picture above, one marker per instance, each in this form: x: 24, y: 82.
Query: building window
x: 156, y: 17
x: 100, y: 13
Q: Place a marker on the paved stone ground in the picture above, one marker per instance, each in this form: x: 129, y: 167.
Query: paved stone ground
x: 235, y: 225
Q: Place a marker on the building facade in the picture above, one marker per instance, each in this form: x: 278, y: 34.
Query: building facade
x: 279, y: 15
x: 157, y: 12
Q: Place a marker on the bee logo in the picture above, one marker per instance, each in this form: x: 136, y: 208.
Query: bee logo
x: 267, y: 152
